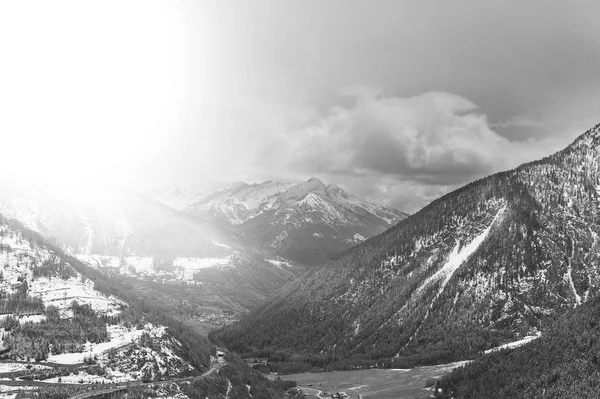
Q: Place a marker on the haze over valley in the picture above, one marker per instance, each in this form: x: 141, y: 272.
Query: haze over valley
x: 283, y: 199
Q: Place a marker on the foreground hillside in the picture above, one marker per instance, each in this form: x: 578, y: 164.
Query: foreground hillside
x: 563, y: 363
x: 487, y: 263
x: 305, y: 222
x: 62, y: 322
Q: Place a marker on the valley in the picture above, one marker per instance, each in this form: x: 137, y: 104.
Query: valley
x: 299, y: 199
x: 67, y: 329
x: 497, y: 260
x: 304, y: 222
x: 415, y: 383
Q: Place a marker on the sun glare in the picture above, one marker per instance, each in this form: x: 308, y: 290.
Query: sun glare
x: 88, y: 88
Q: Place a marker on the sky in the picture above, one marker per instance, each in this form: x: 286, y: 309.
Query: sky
x: 396, y: 101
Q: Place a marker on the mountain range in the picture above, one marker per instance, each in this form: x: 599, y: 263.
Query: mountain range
x: 224, y: 271
x: 86, y: 329
x: 488, y: 263
x: 305, y: 222
x: 119, y: 231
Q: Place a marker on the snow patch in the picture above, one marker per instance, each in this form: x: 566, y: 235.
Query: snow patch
x: 455, y: 259
x: 515, y: 344
x: 61, y: 293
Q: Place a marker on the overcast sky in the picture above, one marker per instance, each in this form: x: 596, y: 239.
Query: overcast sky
x: 397, y: 101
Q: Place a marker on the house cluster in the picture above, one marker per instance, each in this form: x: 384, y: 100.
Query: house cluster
x: 339, y: 395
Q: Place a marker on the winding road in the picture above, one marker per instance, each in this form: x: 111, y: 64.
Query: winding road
x: 115, y: 387
x: 122, y: 387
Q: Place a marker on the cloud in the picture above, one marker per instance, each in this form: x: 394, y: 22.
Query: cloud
x: 433, y: 138
x: 402, y: 151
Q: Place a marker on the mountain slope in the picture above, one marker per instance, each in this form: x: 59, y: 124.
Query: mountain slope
x: 486, y: 263
x: 52, y: 312
x: 175, y: 197
x: 563, y: 363
x: 121, y: 232
x: 92, y: 330
x: 306, y: 222
x: 236, y: 204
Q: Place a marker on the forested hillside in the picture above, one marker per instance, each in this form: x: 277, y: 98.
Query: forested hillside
x: 92, y: 327
x: 485, y: 264
x: 563, y: 363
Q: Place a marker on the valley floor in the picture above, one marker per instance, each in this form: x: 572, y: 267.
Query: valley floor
x: 380, y: 383
x: 384, y: 383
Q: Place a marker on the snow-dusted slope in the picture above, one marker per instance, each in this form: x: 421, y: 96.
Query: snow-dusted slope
x: 306, y: 222
x: 117, y: 230
x: 312, y: 221
x: 238, y: 203
x: 176, y: 197
x: 486, y: 263
x: 41, y: 288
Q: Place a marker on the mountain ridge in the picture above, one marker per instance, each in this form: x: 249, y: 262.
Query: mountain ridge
x: 407, y: 296
x: 306, y: 222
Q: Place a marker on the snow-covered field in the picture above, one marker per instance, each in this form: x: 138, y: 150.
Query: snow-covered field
x: 12, y: 367
x: 189, y: 266
x: 61, y: 293
x: 182, y: 269
x: 119, y: 337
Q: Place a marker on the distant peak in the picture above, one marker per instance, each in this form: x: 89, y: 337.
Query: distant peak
x: 313, y: 185
x: 239, y: 184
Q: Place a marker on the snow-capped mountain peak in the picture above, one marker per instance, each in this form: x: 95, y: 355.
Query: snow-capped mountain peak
x: 306, y: 221
x: 298, y: 192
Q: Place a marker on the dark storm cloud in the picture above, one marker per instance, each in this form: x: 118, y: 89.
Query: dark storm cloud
x: 434, y: 138
x: 403, y: 151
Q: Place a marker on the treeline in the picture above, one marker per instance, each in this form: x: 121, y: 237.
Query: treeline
x: 563, y: 363
x: 53, y: 267
x: 20, y: 302
x: 55, y: 335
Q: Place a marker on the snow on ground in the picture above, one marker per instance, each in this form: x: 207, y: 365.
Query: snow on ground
x: 137, y: 362
x: 138, y: 265
x: 61, y: 293
x: 279, y: 263
x: 458, y: 256
x: 135, y: 266
x: 119, y: 337
x: 356, y: 238
x: 53, y: 291
x: 12, y: 367
x: 11, y: 388
x: 32, y: 318
x: 124, y: 358
x: 80, y: 378
x: 515, y: 344
x: 108, y: 261
x: 455, y: 259
x: 190, y: 265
